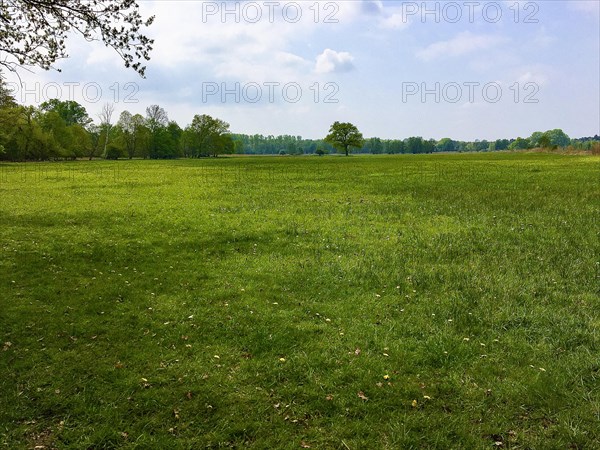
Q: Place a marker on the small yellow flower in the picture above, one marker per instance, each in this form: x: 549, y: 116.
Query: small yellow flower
x: 414, y: 403
x: 427, y: 397
x: 282, y: 360
x: 386, y: 377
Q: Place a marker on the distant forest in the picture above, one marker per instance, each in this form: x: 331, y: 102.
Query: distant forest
x: 270, y: 145
x: 63, y: 130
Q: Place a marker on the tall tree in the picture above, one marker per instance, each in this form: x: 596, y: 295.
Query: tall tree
x: 175, y: 134
x: 205, y: 134
x: 414, y: 145
x: 7, y: 115
x: 81, y: 141
x: 53, y: 124
x: 446, y: 145
x: 558, y: 137
x: 7, y: 100
x: 550, y: 138
x: 127, y: 131
x: 31, y: 141
x: 344, y: 136
x: 141, y: 135
x: 33, y: 32
x: 395, y: 146
x: 501, y: 144
x: 105, y: 122
x: 544, y: 141
x: 535, y: 138
x: 156, y: 117
x: 157, y: 121
x: 429, y: 146
x: 96, y: 141
x: 70, y: 111
x: 519, y: 144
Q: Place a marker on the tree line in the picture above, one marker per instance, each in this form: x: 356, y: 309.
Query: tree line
x: 59, y: 129
x: 63, y: 130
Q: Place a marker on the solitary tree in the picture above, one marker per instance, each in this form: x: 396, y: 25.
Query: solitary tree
x: 33, y: 32
x: 344, y: 136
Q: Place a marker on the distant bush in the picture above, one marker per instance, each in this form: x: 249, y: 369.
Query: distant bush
x: 113, y: 152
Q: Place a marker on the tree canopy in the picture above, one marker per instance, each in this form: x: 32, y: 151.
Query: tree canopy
x: 344, y: 136
x: 70, y: 111
x: 208, y: 136
x: 33, y: 32
x: 7, y: 100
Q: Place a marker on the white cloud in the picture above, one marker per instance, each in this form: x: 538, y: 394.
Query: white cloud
x: 462, y: 44
x: 331, y: 61
x: 228, y: 47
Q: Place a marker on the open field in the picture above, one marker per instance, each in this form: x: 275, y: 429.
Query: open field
x: 446, y: 301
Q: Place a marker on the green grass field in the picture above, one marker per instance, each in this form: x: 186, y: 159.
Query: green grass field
x: 394, y: 302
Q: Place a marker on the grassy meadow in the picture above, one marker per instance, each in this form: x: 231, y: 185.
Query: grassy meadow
x: 392, y: 302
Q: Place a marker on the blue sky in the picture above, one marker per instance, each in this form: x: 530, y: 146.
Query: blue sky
x: 466, y: 69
